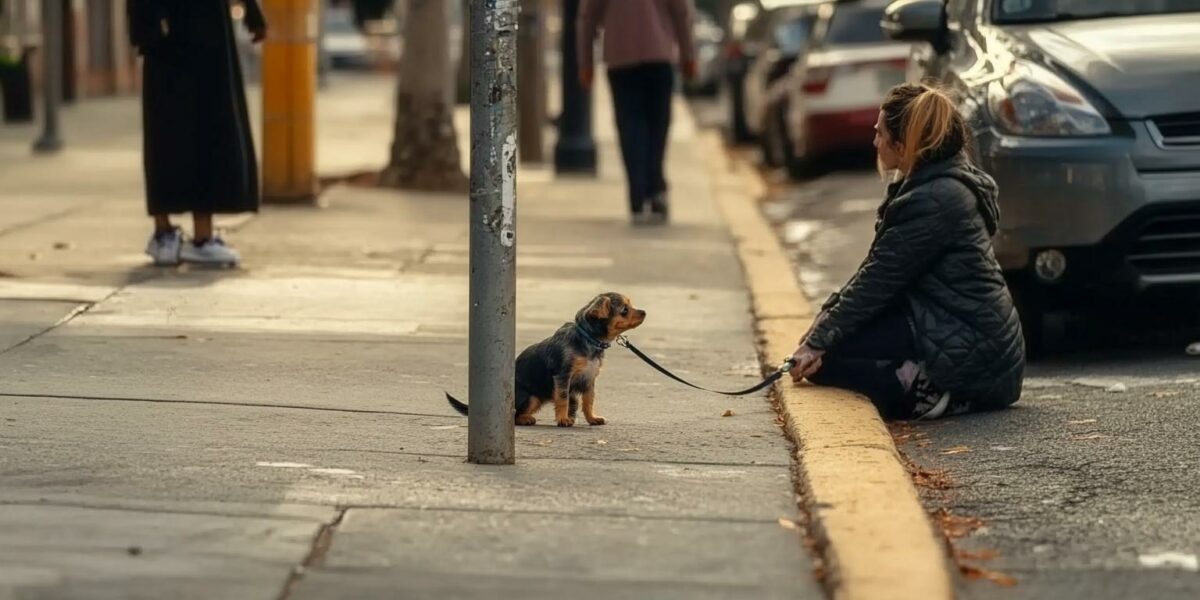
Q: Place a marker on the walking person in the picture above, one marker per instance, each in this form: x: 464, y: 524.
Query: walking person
x: 198, y: 153
x: 926, y: 327
x: 643, y: 40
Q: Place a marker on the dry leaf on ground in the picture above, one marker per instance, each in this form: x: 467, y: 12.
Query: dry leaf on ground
x: 975, y: 554
x: 956, y: 450
x: 954, y: 526
x: 788, y: 524
x: 996, y: 577
x: 601, y: 442
x: 1081, y: 422
x: 728, y: 413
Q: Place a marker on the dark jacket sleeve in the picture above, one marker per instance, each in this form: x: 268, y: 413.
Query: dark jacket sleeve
x: 255, y: 20
x: 911, y: 239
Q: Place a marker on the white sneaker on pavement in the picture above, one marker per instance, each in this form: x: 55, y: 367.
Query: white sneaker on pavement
x: 164, y: 247
x: 212, y: 251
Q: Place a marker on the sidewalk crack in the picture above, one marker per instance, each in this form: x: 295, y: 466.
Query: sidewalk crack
x: 316, y: 553
x: 78, y: 310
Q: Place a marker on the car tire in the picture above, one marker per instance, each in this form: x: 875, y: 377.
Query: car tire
x: 1043, y: 329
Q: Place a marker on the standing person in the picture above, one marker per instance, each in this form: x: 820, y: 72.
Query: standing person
x: 643, y: 39
x: 198, y: 152
x: 926, y: 327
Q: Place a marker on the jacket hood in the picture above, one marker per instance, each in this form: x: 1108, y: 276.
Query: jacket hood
x: 980, y: 183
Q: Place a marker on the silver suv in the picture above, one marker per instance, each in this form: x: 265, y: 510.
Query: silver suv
x: 1087, y: 113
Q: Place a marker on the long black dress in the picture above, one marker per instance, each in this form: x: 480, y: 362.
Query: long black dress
x: 198, y: 151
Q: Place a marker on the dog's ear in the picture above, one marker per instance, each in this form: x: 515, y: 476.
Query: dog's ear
x: 600, y: 308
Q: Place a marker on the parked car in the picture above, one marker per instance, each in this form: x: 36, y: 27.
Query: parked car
x: 708, y: 37
x: 1087, y: 113
x: 779, y: 37
x: 736, y: 60
x: 833, y: 94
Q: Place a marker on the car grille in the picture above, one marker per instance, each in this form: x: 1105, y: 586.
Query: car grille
x: 1178, y: 130
x: 1168, y: 244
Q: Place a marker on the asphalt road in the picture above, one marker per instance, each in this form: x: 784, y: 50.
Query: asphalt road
x: 1087, y: 487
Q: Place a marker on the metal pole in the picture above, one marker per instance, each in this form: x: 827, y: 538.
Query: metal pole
x: 52, y: 76
x: 490, y: 436
x: 575, y: 151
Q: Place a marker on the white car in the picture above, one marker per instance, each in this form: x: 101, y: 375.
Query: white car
x: 833, y: 94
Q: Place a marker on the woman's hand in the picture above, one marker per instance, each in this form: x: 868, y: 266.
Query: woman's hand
x: 808, y: 362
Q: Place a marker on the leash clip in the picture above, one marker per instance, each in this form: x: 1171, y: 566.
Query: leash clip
x: 788, y: 364
x: 622, y: 341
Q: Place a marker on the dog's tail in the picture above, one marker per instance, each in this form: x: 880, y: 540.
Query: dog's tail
x: 456, y: 405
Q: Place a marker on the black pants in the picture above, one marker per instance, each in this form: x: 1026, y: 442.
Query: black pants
x: 642, y: 99
x: 866, y: 362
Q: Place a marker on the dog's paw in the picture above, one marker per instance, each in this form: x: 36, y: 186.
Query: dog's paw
x: 526, y: 420
x: 567, y: 422
x: 596, y: 421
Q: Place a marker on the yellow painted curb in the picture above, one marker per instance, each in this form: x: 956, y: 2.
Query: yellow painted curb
x: 874, y: 536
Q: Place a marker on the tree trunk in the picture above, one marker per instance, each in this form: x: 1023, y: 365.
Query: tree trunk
x: 424, y: 152
x: 462, y: 84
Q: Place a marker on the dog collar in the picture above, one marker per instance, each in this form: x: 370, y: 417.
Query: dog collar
x: 591, y: 339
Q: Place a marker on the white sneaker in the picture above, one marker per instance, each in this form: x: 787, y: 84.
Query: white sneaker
x: 212, y: 252
x: 164, y: 247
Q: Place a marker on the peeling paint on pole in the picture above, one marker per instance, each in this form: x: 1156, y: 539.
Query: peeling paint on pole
x: 508, y: 193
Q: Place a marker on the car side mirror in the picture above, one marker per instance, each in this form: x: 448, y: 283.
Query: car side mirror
x: 916, y: 21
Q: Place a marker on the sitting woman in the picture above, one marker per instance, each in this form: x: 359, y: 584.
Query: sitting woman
x: 926, y: 328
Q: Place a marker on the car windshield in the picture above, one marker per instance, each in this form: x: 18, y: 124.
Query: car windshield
x: 855, y: 25
x: 1035, y: 11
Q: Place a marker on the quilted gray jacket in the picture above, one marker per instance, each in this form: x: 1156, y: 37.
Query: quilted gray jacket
x: 933, y: 252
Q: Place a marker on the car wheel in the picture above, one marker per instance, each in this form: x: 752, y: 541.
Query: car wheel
x: 1043, y: 329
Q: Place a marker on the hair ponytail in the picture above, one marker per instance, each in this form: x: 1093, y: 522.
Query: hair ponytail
x: 925, y: 121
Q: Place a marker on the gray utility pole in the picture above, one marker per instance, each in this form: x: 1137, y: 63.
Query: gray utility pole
x: 52, y: 75
x: 493, y: 296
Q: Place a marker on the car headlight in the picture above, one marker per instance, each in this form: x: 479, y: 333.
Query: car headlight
x: 1031, y: 100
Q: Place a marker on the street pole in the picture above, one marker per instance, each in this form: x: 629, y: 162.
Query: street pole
x: 575, y: 152
x: 52, y: 76
x: 492, y: 333
x: 531, y: 91
x: 289, y: 89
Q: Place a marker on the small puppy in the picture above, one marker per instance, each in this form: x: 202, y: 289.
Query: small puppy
x: 563, y: 367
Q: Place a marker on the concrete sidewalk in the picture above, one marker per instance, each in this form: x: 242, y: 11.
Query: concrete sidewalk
x: 279, y: 431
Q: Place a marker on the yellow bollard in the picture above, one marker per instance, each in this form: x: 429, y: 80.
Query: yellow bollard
x: 289, y: 87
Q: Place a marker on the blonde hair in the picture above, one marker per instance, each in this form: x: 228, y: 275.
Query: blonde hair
x: 925, y: 122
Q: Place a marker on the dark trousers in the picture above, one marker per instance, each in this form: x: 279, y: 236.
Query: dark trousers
x: 642, y: 100
x: 866, y: 362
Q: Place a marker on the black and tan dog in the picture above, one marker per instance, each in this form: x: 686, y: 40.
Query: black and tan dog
x: 563, y: 367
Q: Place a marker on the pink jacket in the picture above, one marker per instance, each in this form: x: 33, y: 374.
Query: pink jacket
x: 635, y: 31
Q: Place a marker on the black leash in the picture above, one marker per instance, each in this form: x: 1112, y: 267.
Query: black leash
x: 787, y: 365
